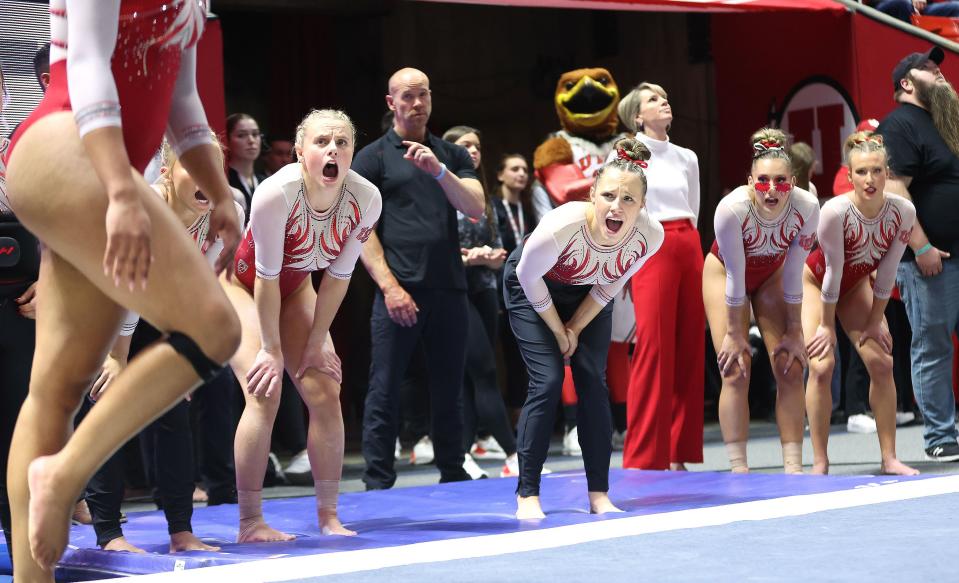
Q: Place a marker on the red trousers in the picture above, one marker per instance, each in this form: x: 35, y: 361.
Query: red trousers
x: 665, y: 401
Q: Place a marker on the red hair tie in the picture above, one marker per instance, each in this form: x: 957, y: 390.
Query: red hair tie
x: 623, y: 155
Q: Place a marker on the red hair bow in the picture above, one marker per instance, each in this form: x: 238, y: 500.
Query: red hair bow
x: 623, y: 155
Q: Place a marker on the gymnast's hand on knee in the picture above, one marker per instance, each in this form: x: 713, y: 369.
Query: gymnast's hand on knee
x: 225, y: 225
x: 28, y: 302
x: 266, y: 375
x: 731, y: 352
x: 321, y: 355
x: 821, y: 344
x: 111, y: 369
x: 794, y: 349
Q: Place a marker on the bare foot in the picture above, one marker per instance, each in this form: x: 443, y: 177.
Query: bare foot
x: 820, y: 468
x: 330, y: 524
x: 528, y: 508
x: 121, y: 544
x: 677, y: 467
x: 199, y: 494
x: 81, y: 513
x: 797, y: 472
x: 599, y: 503
x: 258, y: 531
x: 894, y: 467
x: 187, y: 541
x: 50, y: 511
x: 739, y: 470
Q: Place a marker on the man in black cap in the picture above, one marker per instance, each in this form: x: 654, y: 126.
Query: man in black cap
x: 922, y: 137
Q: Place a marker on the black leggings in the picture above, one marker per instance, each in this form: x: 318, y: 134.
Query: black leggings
x: 17, y: 340
x: 482, y: 400
x: 170, y: 467
x: 544, y: 362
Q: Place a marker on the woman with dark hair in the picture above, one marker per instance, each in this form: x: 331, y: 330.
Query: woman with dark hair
x: 244, y: 142
x: 483, y: 255
x: 74, y: 178
x: 559, y: 286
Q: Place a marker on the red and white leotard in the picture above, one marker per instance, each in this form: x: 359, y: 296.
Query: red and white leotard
x: 752, y: 248
x: 4, y: 203
x: 562, y: 250
x: 311, y: 240
x: 129, y: 64
x: 852, y: 246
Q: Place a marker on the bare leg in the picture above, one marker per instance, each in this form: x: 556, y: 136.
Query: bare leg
x: 321, y: 394
x: 734, y: 396
x: 818, y: 386
x: 853, y: 311
x: 770, y: 311
x: 64, y: 205
x: 251, y: 447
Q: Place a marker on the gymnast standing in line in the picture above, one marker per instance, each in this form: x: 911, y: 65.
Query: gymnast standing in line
x: 764, y: 231
x: 558, y: 287
x: 311, y: 215
x: 861, y: 232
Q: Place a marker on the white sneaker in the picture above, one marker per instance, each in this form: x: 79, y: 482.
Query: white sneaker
x: 511, y: 468
x: 861, y: 423
x: 571, y: 443
x: 472, y: 468
x: 300, y: 464
x: 904, y: 417
x: 619, y: 440
x: 398, y: 451
x: 488, y: 449
x: 422, y: 452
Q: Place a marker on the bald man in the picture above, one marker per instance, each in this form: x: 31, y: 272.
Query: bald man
x: 414, y: 258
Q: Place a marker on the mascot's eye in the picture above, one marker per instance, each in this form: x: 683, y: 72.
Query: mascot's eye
x: 603, y: 81
x: 569, y: 85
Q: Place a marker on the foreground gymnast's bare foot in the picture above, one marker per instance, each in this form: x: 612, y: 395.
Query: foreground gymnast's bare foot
x: 256, y: 530
x: 599, y: 503
x: 50, y: 510
x: 894, y: 467
x: 330, y: 524
x: 187, y: 541
x: 122, y: 544
x: 528, y: 507
x: 820, y: 468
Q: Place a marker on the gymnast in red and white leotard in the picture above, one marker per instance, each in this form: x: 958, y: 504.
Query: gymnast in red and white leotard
x: 122, y: 74
x: 764, y: 231
x: 309, y: 216
x: 861, y: 232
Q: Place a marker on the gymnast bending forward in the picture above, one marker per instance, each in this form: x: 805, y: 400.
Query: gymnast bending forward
x: 558, y: 289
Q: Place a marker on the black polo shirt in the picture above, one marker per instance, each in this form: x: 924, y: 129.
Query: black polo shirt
x: 417, y: 226
x: 916, y: 149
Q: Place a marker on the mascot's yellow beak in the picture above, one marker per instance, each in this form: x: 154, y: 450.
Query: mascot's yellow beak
x: 587, y: 103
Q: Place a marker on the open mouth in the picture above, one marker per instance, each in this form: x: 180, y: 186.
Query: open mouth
x: 331, y: 170
x: 870, y: 190
x: 200, y: 197
x: 588, y: 100
x: 613, y: 225
x: 771, y: 202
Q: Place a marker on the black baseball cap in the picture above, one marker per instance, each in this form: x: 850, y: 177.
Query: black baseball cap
x: 915, y: 61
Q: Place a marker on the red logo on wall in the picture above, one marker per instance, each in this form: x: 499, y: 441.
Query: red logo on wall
x: 820, y: 113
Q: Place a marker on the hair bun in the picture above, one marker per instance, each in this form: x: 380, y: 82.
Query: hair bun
x: 633, y: 150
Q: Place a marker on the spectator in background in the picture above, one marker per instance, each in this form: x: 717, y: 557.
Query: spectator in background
x: 803, y: 160
x: 665, y: 399
x: 483, y: 256
x: 904, y: 9
x: 414, y: 258
x: 922, y: 136
x: 243, y: 146
x: 515, y: 218
x: 278, y: 154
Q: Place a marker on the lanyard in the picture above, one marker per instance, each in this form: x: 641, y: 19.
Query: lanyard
x: 518, y: 229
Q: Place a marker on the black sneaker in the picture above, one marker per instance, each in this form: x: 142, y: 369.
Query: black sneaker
x: 946, y: 452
